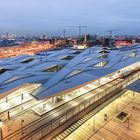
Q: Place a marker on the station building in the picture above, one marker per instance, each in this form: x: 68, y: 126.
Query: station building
x: 62, y: 75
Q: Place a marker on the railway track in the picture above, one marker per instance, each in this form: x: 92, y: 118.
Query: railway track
x: 56, y: 112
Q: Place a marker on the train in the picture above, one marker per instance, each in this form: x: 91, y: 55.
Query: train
x: 123, y: 75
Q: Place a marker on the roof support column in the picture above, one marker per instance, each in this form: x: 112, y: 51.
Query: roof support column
x: 53, y: 100
x: 64, y: 97
x: 6, y: 99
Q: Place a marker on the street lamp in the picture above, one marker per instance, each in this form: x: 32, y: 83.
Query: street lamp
x: 94, y: 125
x: 117, y: 107
x: 8, y: 115
x: 1, y: 135
x: 129, y: 115
x: 22, y: 121
x: 22, y: 97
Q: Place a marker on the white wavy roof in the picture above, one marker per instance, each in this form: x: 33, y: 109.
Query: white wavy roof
x: 75, y: 72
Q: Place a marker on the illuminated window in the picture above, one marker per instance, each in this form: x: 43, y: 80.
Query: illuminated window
x: 133, y: 54
x: 14, y: 79
x: 102, y: 56
x: 54, y: 68
x: 74, y: 73
x: 101, y: 64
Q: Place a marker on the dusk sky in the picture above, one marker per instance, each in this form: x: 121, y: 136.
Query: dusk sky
x: 50, y: 17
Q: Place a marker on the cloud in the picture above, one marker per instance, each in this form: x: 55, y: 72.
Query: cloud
x: 51, y: 16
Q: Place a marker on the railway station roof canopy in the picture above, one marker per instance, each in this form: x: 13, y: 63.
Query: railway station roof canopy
x: 63, y: 70
x: 135, y: 86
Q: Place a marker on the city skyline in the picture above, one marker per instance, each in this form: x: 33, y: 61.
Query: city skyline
x: 31, y: 17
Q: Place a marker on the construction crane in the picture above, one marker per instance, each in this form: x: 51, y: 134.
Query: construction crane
x: 110, y: 34
x: 64, y: 33
x: 79, y: 28
x: 64, y: 36
x: 111, y: 31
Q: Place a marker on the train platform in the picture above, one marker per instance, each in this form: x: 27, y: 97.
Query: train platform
x: 99, y: 128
